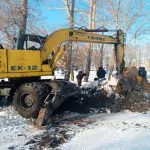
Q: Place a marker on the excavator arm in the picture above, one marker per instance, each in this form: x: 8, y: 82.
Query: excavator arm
x: 55, y: 43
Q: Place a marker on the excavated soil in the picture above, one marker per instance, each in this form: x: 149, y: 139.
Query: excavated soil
x: 134, y: 95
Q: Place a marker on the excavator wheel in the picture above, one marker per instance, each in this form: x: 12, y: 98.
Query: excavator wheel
x: 29, y: 97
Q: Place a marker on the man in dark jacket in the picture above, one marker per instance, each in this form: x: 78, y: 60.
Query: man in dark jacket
x: 101, y: 73
x: 80, y: 77
x: 142, y: 72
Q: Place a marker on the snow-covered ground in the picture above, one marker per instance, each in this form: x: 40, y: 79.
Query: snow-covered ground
x: 15, y: 131
x: 109, y: 131
x: 121, y: 131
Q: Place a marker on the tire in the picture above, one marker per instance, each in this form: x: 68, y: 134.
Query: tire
x: 28, y: 99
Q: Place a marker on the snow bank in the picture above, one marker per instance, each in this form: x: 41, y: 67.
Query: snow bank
x: 108, y: 85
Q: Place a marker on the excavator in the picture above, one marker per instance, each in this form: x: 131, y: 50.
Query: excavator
x: 34, y: 56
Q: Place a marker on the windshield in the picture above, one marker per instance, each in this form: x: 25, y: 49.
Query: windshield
x: 29, y: 42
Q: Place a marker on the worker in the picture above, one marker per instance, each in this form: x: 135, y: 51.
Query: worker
x: 80, y: 77
x: 101, y: 73
x: 142, y: 72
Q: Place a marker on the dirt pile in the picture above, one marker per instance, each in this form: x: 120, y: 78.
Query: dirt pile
x: 133, y: 91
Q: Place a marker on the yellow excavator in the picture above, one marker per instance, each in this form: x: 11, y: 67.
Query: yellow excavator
x: 30, y: 59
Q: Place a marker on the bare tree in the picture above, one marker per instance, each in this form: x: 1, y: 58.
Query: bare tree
x: 90, y: 47
x: 70, y: 11
x: 23, y: 17
x: 125, y: 14
x: 9, y: 22
x: 13, y: 20
x: 97, y: 57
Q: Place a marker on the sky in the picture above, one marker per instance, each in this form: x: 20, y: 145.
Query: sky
x: 54, y: 14
x: 57, y: 18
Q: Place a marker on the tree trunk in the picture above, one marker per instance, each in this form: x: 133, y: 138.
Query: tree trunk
x: 68, y: 66
x: 23, y: 17
x: 112, y: 66
x: 91, y: 26
x: 71, y: 18
x: 101, y: 59
x: 88, y: 64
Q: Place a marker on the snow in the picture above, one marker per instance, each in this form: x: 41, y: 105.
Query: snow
x: 148, y: 76
x: 15, y: 131
x: 121, y: 131
x: 109, y: 85
x: 110, y: 131
x: 105, y: 83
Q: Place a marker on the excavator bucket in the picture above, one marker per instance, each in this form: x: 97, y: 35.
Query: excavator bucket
x: 61, y: 91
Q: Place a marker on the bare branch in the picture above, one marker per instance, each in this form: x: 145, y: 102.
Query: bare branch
x: 88, y: 1
x: 67, y: 7
x: 56, y: 8
x: 81, y: 12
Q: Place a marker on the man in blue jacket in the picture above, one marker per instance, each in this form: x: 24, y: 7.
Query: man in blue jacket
x: 101, y: 73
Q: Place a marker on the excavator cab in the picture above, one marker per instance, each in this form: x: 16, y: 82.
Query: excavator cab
x: 29, y: 42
